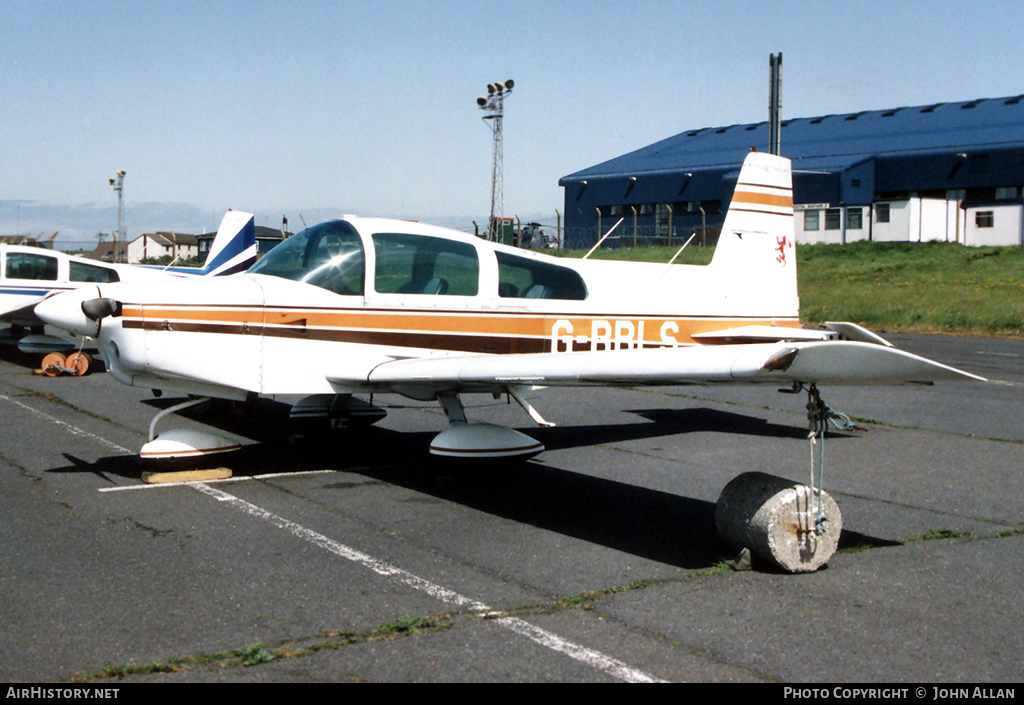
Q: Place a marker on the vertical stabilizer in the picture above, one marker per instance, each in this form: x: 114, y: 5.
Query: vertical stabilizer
x: 234, y: 248
x: 755, y: 259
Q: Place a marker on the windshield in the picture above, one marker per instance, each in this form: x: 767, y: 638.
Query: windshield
x: 328, y: 255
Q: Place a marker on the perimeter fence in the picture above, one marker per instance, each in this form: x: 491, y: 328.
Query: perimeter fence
x: 642, y: 236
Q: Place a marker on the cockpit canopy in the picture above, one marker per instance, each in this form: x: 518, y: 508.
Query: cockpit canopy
x: 330, y: 255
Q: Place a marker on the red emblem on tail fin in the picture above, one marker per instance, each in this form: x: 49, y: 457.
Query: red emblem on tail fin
x: 781, y: 258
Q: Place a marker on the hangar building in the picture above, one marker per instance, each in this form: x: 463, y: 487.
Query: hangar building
x: 950, y: 171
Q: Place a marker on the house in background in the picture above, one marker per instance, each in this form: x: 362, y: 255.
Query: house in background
x: 266, y: 239
x: 177, y: 246
x: 104, y: 252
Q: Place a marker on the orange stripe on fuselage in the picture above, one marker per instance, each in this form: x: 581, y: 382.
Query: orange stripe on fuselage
x: 433, y: 328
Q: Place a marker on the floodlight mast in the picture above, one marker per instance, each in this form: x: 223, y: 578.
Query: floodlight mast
x: 494, y: 108
x: 120, y: 235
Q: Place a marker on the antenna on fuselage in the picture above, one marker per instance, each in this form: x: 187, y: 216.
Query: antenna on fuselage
x: 605, y: 237
x: 678, y: 252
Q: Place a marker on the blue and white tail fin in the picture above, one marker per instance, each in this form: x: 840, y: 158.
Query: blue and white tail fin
x: 234, y: 248
x: 755, y: 259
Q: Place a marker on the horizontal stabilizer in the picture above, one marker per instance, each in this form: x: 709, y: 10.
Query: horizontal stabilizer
x: 767, y: 334
x: 851, y: 331
x: 856, y: 363
x: 764, y: 334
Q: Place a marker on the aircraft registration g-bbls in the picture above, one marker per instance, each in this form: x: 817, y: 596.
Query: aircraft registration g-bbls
x: 363, y: 305
x: 30, y: 274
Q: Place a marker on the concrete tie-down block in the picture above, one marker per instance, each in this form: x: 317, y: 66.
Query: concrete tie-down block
x: 777, y: 520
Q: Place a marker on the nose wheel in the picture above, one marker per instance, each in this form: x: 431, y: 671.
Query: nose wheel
x: 183, y: 443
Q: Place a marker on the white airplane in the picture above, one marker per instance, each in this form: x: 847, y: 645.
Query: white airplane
x: 30, y: 274
x: 365, y: 305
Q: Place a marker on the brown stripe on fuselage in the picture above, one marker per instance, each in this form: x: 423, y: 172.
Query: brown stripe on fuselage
x: 494, y: 333
x: 435, y: 340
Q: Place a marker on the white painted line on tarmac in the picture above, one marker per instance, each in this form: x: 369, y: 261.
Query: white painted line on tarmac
x: 549, y: 640
x: 66, y: 426
x: 74, y: 430
x: 246, y: 478
x: 1006, y: 383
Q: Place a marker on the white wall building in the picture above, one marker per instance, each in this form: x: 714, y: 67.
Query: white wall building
x: 915, y: 219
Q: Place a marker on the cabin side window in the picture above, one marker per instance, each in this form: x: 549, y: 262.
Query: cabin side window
x: 82, y: 272
x: 422, y: 265
x: 22, y: 265
x: 524, y: 278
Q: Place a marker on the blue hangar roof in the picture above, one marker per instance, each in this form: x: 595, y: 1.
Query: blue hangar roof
x: 836, y: 158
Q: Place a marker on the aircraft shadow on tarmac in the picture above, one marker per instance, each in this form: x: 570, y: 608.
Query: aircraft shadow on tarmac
x: 667, y: 528
x: 9, y: 353
x: 668, y: 422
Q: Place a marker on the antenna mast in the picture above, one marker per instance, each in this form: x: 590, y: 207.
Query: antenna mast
x: 494, y: 108
x: 775, y: 105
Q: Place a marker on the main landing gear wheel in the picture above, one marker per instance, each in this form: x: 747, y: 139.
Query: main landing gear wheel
x: 479, y: 441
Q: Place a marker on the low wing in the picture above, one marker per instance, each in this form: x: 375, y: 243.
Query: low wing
x: 819, y: 363
x: 16, y: 310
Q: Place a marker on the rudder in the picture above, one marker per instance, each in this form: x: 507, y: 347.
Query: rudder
x: 234, y: 248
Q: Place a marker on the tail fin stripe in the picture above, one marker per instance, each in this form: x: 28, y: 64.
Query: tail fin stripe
x: 755, y: 211
x: 762, y: 199
x: 772, y: 187
x: 234, y: 248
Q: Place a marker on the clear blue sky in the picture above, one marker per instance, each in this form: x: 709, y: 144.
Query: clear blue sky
x: 324, y: 108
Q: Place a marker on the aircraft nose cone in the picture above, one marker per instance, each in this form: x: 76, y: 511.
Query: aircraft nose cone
x: 64, y: 311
